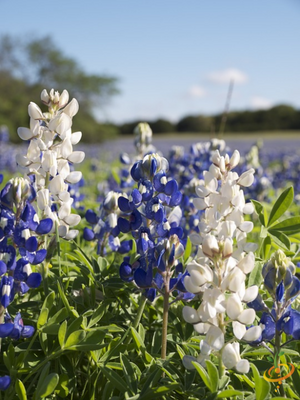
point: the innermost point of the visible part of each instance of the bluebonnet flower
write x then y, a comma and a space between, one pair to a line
284, 287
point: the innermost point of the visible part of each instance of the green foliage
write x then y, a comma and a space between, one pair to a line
28, 67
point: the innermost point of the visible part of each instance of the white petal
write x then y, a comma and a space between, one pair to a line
247, 316
246, 226
243, 366
239, 329
250, 294
25, 133
234, 306
248, 208
72, 219
246, 264
76, 137
74, 177
229, 356
189, 285
72, 233
72, 108
195, 239
190, 315
76, 157
252, 334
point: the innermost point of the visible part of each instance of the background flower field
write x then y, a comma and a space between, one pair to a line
108, 310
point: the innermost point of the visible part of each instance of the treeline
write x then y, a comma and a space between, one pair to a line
281, 117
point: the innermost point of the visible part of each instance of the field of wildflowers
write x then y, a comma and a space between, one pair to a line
158, 276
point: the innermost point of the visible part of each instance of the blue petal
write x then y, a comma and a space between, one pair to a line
123, 204
91, 217
171, 187
257, 304
39, 256
294, 289
150, 294
136, 196
6, 329
280, 292
269, 280
296, 324
88, 234
3, 267
125, 246
31, 244
44, 226
175, 199
27, 331
4, 382
123, 225
34, 280
125, 271
269, 331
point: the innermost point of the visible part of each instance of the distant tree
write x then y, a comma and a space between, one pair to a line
162, 126
198, 123
27, 67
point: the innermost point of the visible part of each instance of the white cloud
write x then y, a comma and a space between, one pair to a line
260, 103
227, 75
196, 91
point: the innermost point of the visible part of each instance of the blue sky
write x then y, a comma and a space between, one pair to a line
174, 57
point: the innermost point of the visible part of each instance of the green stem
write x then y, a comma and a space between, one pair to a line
41, 364
2, 312
221, 365
276, 358
165, 318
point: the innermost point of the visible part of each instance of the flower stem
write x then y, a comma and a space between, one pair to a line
276, 358
221, 365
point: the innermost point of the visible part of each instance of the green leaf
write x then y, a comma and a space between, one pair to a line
158, 392
137, 339
213, 375
20, 389
259, 209
281, 205
289, 226
58, 317
75, 338
228, 393
42, 318
203, 374
48, 302
115, 379
62, 389
129, 373
103, 263
62, 333
262, 387
63, 297
47, 386
296, 381
152, 380
255, 277
266, 247
280, 238
188, 250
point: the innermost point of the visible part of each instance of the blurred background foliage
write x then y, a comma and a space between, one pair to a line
28, 66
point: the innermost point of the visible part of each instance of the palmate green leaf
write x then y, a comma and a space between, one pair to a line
228, 393
47, 386
204, 375
98, 314
262, 387
280, 239
20, 389
281, 205
62, 333
262, 352
129, 373
260, 211
60, 316
296, 381
74, 339
43, 317
137, 339
152, 380
115, 379
266, 247
213, 375
188, 250
161, 390
49, 300
289, 226
62, 389
255, 277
